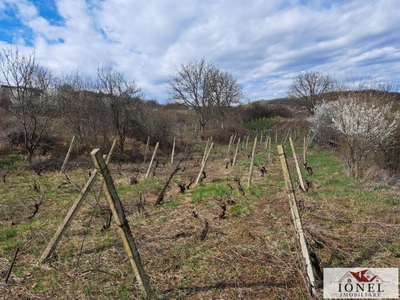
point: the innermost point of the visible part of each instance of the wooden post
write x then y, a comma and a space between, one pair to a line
122, 222
234, 139
252, 162
247, 140
297, 165
304, 151
230, 144
173, 151
151, 161
269, 149
203, 165
205, 151
294, 133
236, 152
310, 279
287, 135
67, 156
73, 210
147, 149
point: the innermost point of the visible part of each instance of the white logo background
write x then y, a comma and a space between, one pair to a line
361, 283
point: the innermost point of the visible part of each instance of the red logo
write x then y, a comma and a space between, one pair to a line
364, 276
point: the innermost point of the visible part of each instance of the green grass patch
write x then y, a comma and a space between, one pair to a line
381, 187
255, 191
203, 192
8, 233
10, 161
171, 204
240, 209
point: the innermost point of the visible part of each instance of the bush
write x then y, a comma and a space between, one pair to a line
259, 110
366, 126
391, 159
322, 124
157, 125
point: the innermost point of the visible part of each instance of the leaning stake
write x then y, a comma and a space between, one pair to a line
236, 152
203, 165
252, 162
310, 279
122, 222
151, 161
68, 155
73, 210
297, 165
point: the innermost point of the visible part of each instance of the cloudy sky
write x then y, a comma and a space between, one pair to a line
262, 43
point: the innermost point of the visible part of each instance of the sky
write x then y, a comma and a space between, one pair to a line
264, 44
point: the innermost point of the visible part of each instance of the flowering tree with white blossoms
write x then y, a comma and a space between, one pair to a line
364, 125
321, 122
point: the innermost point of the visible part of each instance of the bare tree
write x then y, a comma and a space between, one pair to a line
83, 110
226, 93
193, 86
31, 97
121, 96
310, 87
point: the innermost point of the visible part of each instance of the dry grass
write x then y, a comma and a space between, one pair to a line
251, 253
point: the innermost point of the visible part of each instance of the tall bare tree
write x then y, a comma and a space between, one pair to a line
226, 93
310, 87
192, 85
31, 96
122, 97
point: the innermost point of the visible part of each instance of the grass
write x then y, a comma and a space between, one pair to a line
11, 158
209, 192
353, 224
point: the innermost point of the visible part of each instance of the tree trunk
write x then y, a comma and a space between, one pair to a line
30, 155
223, 118
121, 143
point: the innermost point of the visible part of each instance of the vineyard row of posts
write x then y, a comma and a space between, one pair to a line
122, 223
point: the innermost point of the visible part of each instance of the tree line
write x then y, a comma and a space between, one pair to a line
94, 108
360, 116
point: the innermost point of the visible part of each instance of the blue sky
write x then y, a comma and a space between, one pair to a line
263, 44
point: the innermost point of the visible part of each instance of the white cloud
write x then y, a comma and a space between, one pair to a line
262, 43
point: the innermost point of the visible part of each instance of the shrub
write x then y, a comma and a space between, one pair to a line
259, 110
321, 124
364, 126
